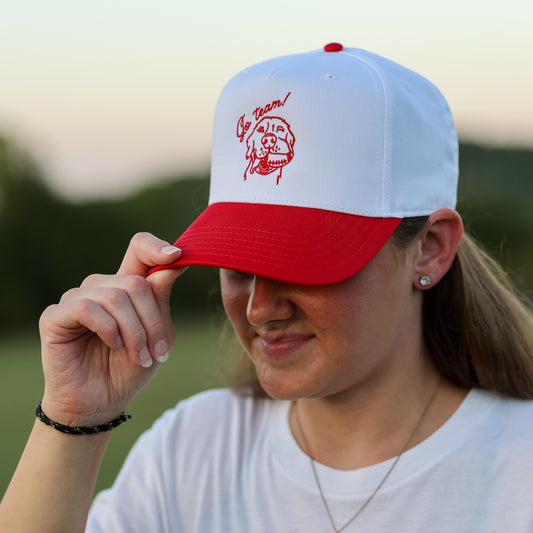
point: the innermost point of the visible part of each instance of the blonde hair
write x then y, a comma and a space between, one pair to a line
477, 330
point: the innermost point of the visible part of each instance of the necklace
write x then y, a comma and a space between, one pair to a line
381, 483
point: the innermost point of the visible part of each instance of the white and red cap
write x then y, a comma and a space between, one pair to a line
316, 158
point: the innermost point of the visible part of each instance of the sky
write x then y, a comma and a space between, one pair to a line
110, 94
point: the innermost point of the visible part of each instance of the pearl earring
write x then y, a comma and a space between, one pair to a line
425, 281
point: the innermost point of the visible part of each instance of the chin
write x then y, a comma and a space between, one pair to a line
286, 388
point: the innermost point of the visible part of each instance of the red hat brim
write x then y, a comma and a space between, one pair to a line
291, 244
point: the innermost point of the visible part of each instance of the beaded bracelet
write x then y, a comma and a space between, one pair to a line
80, 430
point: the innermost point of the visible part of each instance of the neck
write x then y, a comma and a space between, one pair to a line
372, 426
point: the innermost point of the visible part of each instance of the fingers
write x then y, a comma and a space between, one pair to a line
59, 323
143, 326
146, 251
127, 311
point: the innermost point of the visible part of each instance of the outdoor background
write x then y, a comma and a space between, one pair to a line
105, 130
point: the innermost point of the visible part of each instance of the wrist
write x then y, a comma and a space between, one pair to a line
78, 424
78, 411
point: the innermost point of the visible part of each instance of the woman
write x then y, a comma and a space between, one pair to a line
392, 370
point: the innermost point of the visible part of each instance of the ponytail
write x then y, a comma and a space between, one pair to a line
478, 331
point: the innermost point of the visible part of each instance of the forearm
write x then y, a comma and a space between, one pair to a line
52, 488
99, 344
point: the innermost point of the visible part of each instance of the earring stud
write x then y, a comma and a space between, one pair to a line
425, 281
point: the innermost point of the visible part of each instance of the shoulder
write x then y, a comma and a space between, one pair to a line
518, 412
205, 432
214, 405
209, 436
189, 455
518, 419
506, 422
218, 417
503, 449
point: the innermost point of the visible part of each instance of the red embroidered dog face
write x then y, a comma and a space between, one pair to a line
269, 147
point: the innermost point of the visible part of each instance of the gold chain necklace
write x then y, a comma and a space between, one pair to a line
381, 483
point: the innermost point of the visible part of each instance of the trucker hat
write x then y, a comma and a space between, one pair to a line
316, 158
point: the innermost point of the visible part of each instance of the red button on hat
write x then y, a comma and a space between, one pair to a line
333, 47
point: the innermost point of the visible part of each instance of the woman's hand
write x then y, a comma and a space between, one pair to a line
104, 341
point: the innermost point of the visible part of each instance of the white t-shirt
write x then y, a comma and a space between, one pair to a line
223, 463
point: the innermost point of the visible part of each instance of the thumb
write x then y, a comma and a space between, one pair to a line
145, 253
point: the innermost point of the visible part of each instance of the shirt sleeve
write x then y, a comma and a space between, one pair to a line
139, 499
168, 478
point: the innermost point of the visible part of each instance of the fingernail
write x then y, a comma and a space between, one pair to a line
145, 358
161, 347
119, 342
162, 358
169, 250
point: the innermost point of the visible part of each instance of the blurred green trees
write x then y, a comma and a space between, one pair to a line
496, 202
49, 245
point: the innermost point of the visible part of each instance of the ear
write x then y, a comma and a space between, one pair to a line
250, 149
438, 244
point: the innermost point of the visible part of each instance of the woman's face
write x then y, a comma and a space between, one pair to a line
320, 341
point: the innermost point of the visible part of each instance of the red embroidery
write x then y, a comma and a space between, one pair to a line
270, 147
260, 111
242, 127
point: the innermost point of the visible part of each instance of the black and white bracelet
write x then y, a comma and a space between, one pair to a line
80, 430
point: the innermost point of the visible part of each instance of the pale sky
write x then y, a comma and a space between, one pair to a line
109, 93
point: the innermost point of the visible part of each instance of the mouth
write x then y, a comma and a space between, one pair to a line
283, 346
277, 160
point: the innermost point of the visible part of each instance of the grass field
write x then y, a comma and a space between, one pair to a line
193, 366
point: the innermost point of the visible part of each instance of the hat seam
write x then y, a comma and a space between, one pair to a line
316, 262
222, 229
386, 154
325, 207
282, 249
272, 239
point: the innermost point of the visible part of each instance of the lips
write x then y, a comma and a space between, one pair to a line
282, 346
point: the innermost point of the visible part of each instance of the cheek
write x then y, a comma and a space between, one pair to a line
231, 302
234, 299
358, 312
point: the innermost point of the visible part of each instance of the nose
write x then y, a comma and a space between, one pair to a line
268, 302
269, 140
